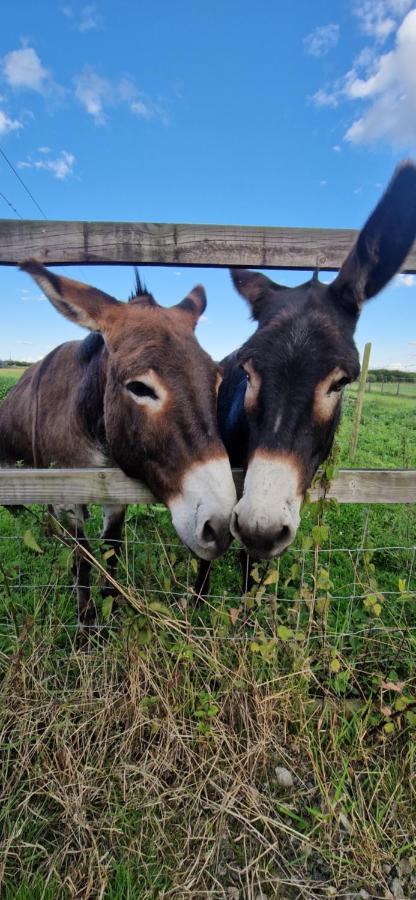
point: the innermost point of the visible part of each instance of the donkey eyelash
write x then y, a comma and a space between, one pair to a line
338, 385
141, 389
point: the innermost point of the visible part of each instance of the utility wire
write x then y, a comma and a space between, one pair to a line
22, 183
3, 196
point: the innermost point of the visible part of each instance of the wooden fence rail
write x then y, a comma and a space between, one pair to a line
55, 486
125, 243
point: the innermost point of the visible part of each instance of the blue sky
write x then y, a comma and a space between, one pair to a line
267, 113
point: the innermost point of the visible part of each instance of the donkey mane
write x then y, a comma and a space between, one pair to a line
89, 347
139, 290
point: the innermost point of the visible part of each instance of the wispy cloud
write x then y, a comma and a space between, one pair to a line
86, 19
7, 124
61, 167
94, 93
326, 97
385, 83
321, 40
378, 18
97, 95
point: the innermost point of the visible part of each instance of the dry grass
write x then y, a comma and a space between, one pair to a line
145, 767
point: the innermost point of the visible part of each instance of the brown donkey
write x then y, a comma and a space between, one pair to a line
280, 399
141, 394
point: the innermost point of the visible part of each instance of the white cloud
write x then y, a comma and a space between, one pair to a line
385, 83
326, 98
94, 93
390, 91
7, 124
404, 280
321, 40
23, 69
379, 18
27, 297
97, 94
88, 18
337, 148
61, 167
139, 108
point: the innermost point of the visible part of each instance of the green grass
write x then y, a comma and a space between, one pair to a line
387, 435
13, 372
406, 388
144, 765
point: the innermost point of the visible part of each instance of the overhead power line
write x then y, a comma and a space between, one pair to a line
22, 183
3, 196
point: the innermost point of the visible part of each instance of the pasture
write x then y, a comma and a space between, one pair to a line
393, 388
8, 378
255, 746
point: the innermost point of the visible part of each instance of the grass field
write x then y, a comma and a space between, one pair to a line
405, 388
256, 747
13, 372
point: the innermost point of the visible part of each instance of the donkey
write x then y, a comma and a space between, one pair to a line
139, 393
280, 398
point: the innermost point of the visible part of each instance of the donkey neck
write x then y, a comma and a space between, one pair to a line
232, 418
93, 358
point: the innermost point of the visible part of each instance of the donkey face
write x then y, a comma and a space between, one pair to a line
160, 392
297, 364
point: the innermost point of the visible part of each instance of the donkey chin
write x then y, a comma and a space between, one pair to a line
267, 517
201, 512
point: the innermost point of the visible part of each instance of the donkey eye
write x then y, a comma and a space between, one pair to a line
247, 374
141, 389
337, 386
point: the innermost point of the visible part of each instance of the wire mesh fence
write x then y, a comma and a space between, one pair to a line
324, 591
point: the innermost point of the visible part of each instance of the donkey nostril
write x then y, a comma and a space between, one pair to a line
284, 534
208, 533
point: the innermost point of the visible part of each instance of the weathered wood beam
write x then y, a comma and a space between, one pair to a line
125, 243
21, 486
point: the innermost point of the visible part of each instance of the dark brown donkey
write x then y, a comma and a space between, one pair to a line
280, 398
141, 394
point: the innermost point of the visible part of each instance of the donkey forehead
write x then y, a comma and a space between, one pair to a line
158, 342
300, 336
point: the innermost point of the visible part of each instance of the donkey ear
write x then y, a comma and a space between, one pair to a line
383, 243
253, 286
78, 302
194, 304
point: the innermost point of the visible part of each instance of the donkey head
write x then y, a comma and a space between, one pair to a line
160, 395
297, 364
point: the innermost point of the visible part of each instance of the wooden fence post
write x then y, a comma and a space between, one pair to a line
359, 401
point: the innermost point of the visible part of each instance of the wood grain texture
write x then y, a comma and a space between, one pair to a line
21, 486
122, 243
